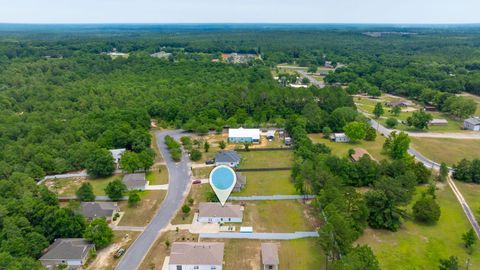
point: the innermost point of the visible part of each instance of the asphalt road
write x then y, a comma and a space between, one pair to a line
314, 81
179, 179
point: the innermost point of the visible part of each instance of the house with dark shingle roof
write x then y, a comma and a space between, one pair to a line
135, 181
228, 158
72, 252
270, 256
196, 255
472, 123
92, 210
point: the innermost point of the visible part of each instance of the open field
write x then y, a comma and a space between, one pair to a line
105, 259
198, 194
471, 193
266, 159
68, 186
158, 175
144, 211
341, 149
202, 172
447, 150
417, 246
267, 183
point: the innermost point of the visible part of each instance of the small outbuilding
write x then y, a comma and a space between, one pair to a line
270, 256
70, 252
217, 213
135, 181
472, 123
244, 135
339, 137
270, 134
228, 158
92, 210
438, 122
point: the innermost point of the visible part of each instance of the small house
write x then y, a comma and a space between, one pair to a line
217, 213
228, 158
359, 153
117, 155
438, 122
339, 137
270, 135
472, 123
240, 183
288, 141
135, 181
244, 135
70, 252
92, 210
270, 256
196, 255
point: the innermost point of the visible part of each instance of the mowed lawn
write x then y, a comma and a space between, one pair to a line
447, 150
267, 183
341, 149
471, 193
157, 175
266, 159
417, 246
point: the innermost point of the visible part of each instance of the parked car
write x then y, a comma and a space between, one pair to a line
119, 253
210, 162
196, 182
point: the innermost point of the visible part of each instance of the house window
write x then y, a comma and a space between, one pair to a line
196, 267
179, 267
213, 268
229, 219
270, 267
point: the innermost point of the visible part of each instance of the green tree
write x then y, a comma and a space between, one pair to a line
371, 134
326, 132
222, 144
383, 212
146, 159
391, 122
99, 233
133, 198
355, 130
443, 174
449, 264
130, 162
185, 209
426, 210
360, 257
397, 144
100, 163
312, 69
469, 238
419, 119
85, 193
115, 190
378, 110
396, 110
195, 155
206, 146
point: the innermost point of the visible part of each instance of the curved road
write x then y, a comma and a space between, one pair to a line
179, 178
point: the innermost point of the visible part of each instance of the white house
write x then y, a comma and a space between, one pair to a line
339, 137
472, 123
244, 135
117, 155
216, 213
72, 252
196, 255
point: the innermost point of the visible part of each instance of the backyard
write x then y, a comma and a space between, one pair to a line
267, 183
447, 150
266, 159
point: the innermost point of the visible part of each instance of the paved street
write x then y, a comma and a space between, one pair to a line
260, 236
314, 81
179, 179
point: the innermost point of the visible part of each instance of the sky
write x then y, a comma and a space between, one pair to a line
240, 11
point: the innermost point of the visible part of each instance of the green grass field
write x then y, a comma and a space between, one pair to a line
446, 150
471, 193
158, 175
266, 159
267, 183
417, 246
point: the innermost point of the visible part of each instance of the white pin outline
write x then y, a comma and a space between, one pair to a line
223, 194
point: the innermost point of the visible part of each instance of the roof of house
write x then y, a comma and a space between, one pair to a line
97, 209
227, 156
439, 121
338, 135
270, 254
117, 153
473, 120
197, 253
398, 103
253, 133
68, 249
270, 133
360, 152
134, 180
241, 179
217, 210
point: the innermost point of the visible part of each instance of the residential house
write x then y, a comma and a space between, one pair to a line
196, 255
270, 134
288, 141
71, 252
92, 210
339, 137
240, 183
472, 123
358, 153
244, 135
117, 155
397, 103
217, 213
438, 122
161, 55
135, 181
228, 158
328, 64
270, 256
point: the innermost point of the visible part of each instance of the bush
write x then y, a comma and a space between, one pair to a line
195, 155
391, 122
85, 193
426, 210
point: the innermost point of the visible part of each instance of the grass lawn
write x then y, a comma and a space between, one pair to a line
202, 172
471, 193
266, 159
153, 145
267, 183
447, 150
417, 246
68, 186
341, 149
279, 216
198, 194
158, 175
144, 211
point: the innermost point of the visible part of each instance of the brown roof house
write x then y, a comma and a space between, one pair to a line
217, 213
72, 252
196, 255
270, 256
135, 181
358, 153
92, 210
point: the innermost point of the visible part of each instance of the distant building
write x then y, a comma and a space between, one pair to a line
438, 122
339, 137
135, 181
217, 213
472, 123
244, 135
328, 64
241, 182
270, 256
92, 210
239, 58
270, 134
117, 155
288, 141
196, 255
397, 103
228, 158
358, 153
161, 55
72, 252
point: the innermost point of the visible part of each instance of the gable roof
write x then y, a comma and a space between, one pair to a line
117, 153
253, 133
97, 209
217, 210
227, 156
68, 249
473, 121
134, 180
197, 253
360, 152
270, 254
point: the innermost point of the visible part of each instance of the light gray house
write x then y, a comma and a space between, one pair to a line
72, 252
270, 256
92, 210
196, 255
117, 155
135, 181
472, 123
339, 137
228, 158
216, 213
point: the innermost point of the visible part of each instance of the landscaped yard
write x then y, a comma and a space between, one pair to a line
144, 211
68, 186
266, 159
341, 149
158, 175
447, 150
417, 246
267, 183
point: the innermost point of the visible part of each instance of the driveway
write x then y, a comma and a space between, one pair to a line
179, 178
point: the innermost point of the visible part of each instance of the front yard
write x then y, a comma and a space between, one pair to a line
144, 211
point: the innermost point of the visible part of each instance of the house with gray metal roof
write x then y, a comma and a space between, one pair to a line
71, 252
196, 255
92, 210
228, 158
472, 123
117, 155
135, 181
270, 256
212, 212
